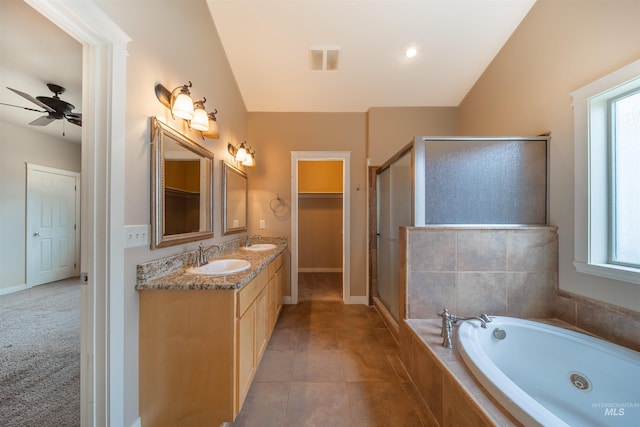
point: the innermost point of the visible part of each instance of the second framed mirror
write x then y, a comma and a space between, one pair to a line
235, 185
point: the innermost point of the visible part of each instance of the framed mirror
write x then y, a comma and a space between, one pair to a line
181, 188
234, 199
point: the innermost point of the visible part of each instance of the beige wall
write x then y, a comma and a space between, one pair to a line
20, 146
559, 47
320, 234
274, 136
323, 176
391, 128
157, 55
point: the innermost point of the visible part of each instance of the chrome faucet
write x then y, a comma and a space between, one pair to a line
448, 320
249, 238
201, 255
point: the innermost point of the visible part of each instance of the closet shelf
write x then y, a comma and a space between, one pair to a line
319, 195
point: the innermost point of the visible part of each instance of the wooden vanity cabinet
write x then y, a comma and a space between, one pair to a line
277, 281
200, 349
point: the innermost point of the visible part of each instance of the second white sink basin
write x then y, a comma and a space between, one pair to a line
221, 267
260, 247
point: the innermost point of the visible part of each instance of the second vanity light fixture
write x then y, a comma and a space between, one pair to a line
243, 154
182, 106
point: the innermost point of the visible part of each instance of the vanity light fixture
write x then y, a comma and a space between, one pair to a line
182, 106
242, 154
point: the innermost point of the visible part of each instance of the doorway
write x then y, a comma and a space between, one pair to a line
102, 389
53, 217
310, 201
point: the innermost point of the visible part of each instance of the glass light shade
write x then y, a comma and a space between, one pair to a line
249, 160
182, 107
241, 154
200, 120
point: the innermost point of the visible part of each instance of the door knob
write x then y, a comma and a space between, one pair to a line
36, 234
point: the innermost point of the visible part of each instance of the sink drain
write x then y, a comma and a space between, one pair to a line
580, 381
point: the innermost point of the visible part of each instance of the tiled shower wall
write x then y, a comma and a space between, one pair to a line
508, 271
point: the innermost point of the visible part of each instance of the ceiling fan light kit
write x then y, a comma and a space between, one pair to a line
54, 107
181, 105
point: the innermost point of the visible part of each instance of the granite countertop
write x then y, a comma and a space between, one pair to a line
176, 277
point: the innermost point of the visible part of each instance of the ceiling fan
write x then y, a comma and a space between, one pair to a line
54, 107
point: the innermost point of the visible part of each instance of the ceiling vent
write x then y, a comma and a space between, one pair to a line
324, 58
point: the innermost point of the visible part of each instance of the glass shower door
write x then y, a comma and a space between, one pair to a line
394, 210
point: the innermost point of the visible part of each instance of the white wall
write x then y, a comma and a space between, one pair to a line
19, 146
559, 47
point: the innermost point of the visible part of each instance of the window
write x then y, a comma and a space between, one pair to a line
624, 179
607, 152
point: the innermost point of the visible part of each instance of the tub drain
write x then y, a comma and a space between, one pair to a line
580, 381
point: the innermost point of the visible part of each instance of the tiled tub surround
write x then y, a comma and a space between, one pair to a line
169, 273
452, 394
509, 271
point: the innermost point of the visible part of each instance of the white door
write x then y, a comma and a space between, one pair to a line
52, 234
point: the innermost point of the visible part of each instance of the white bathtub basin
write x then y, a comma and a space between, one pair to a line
260, 247
220, 267
550, 376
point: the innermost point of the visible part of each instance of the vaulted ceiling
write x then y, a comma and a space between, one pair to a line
268, 43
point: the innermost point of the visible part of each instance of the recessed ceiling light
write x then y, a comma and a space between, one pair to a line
411, 50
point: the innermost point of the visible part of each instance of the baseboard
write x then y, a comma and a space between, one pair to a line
320, 270
13, 289
287, 300
359, 300
138, 423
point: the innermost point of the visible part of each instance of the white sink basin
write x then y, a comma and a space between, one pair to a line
220, 267
260, 247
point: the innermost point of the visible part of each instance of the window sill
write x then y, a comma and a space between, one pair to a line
610, 271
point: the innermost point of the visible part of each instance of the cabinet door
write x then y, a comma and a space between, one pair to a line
280, 284
272, 304
262, 325
246, 330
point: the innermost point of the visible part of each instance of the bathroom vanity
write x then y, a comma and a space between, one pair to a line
202, 339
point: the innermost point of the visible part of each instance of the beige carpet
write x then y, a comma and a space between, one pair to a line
40, 356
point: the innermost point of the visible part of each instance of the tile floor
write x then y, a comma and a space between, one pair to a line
330, 364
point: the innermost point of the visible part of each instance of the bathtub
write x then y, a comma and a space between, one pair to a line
550, 376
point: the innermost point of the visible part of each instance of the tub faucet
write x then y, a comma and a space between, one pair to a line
448, 320
447, 327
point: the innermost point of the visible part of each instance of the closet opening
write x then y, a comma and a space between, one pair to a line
320, 233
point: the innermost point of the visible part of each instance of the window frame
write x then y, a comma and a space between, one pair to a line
592, 185
612, 176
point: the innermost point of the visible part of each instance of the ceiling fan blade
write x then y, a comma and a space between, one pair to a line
24, 108
32, 99
76, 119
42, 121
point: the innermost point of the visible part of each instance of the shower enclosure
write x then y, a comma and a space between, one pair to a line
455, 181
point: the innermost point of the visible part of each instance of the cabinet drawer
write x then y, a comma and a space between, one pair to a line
250, 291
